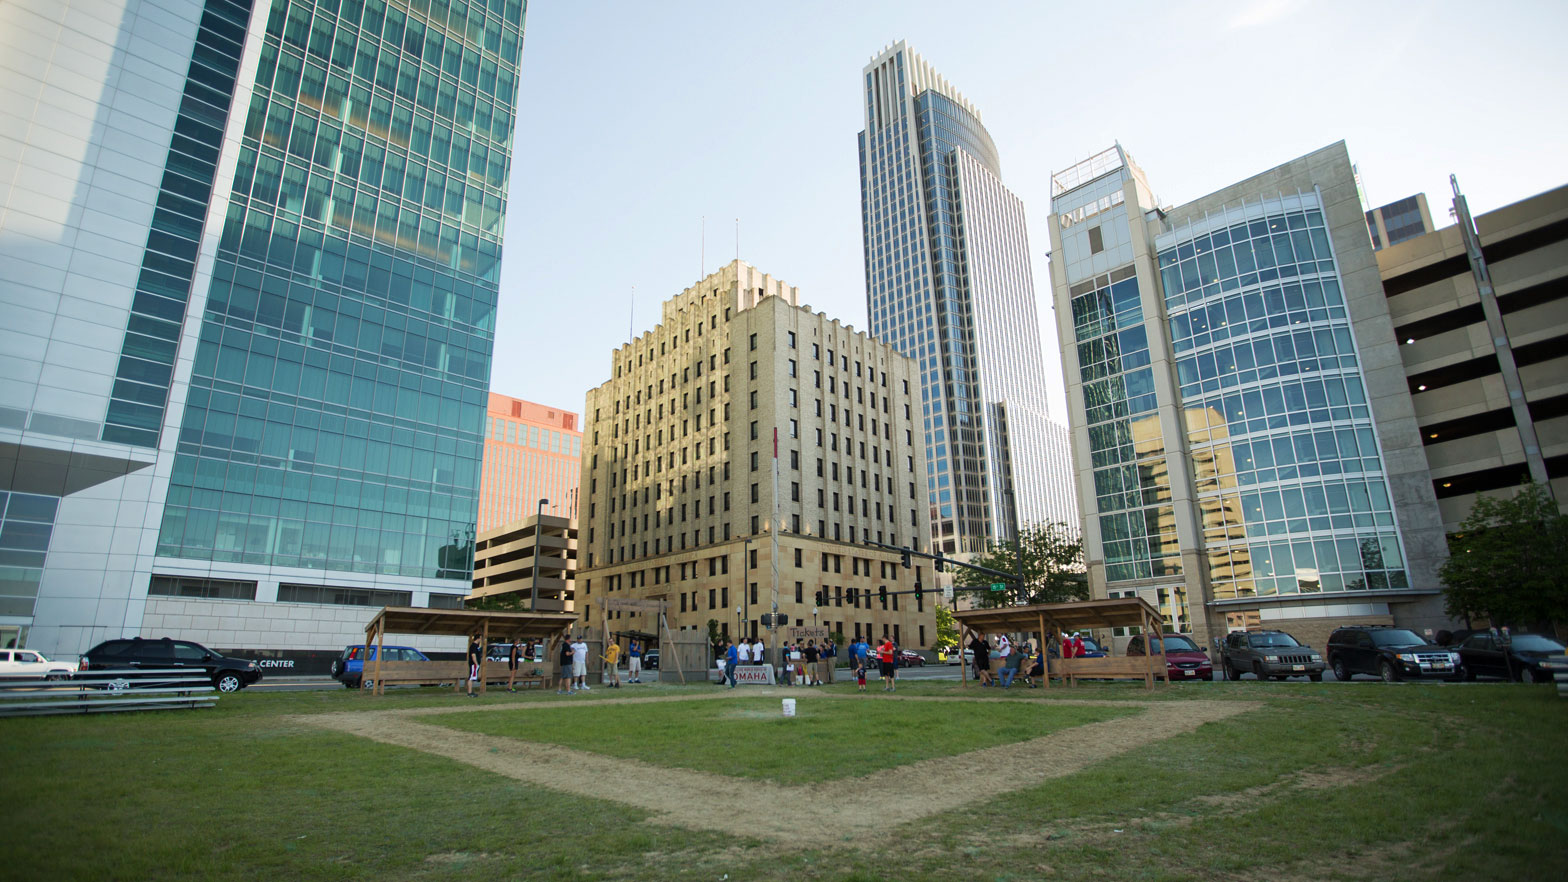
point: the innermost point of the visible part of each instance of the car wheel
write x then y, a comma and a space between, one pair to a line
337, 668
1388, 672
1232, 671
56, 676
1209, 676
350, 684
1467, 673
368, 684
1340, 671
118, 684
228, 682
1316, 678
1528, 675
1257, 671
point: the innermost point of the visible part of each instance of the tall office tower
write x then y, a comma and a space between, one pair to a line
746, 435
251, 253
1247, 449
1399, 221
949, 283
1487, 420
532, 452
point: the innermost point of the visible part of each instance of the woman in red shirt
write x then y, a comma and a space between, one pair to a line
886, 654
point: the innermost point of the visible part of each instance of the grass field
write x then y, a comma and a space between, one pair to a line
1331, 781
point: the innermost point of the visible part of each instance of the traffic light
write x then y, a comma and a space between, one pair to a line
938, 564
918, 591
821, 597
882, 595
905, 555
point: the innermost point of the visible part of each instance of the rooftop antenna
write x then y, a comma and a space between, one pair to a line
737, 238
631, 312
704, 252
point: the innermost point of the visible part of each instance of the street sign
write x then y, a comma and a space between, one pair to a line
947, 594
998, 586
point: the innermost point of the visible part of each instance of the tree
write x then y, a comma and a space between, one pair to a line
1052, 566
713, 635
946, 628
1509, 561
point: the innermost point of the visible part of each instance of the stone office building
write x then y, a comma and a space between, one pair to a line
746, 435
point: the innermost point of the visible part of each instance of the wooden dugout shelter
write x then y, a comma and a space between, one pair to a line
516, 626
1049, 618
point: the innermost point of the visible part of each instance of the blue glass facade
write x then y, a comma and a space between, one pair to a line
336, 409
922, 282
1286, 459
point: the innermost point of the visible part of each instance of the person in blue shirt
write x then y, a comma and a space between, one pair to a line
634, 662
731, 658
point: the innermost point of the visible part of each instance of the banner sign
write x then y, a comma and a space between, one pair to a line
653, 606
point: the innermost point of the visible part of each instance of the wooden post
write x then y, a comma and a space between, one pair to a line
1165, 668
381, 639
1045, 658
484, 650
963, 666
664, 626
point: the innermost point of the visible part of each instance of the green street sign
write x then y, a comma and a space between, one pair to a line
998, 586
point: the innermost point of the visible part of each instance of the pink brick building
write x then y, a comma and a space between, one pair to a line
532, 452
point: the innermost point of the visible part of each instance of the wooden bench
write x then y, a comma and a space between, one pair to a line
455, 673
1147, 668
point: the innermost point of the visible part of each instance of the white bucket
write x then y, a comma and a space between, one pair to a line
789, 707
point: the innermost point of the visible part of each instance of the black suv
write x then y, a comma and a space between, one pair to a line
133, 654
1391, 653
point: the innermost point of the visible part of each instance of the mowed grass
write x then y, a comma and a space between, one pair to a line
827, 739
1319, 782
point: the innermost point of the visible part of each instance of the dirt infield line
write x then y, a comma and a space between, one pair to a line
812, 814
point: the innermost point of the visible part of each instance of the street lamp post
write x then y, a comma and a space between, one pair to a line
533, 595
745, 585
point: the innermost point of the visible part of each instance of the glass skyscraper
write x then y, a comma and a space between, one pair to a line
295, 211
1236, 471
949, 283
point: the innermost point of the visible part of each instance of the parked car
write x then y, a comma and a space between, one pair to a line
130, 656
1531, 658
28, 664
908, 658
1388, 652
1091, 649
1269, 654
349, 668
502, 652
1184, 659
650, 660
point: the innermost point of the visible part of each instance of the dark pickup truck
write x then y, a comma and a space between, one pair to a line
1269, 654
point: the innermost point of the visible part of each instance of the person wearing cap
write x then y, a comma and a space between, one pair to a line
1078, 649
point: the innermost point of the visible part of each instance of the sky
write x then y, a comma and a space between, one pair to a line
647, 131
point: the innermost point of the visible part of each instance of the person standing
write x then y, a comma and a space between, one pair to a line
743, 652
475, 659
612, 658
860, 673
634, 662
786, 666
887, 653
813, 672
1078, 647
513, 656
564, 667
731, 657
1004, 659
830, 653
758, 657
1067, 645
861, 650
580, 663
980, 648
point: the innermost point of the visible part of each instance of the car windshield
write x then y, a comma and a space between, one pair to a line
1090, 645
1261, 640
1396, 637
1174, 643
1536, 643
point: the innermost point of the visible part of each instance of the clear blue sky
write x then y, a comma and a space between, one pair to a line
640, 119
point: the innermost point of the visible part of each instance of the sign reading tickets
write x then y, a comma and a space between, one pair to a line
806, 632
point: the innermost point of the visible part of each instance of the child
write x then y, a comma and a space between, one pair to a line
860, 674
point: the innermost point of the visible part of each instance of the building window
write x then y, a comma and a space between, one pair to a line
753, 342
792, 341
335, 596
1096, 241
209, 589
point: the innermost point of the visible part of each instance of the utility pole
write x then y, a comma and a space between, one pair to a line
1505, 353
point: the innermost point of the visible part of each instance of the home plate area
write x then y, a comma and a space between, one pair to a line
840, 807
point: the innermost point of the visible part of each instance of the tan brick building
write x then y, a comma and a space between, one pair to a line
678, 497
506, 557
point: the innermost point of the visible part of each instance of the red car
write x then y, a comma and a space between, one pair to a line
908, 658
1184, 659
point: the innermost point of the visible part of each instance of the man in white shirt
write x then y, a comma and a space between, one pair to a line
757, 656
743, 650
580, 663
